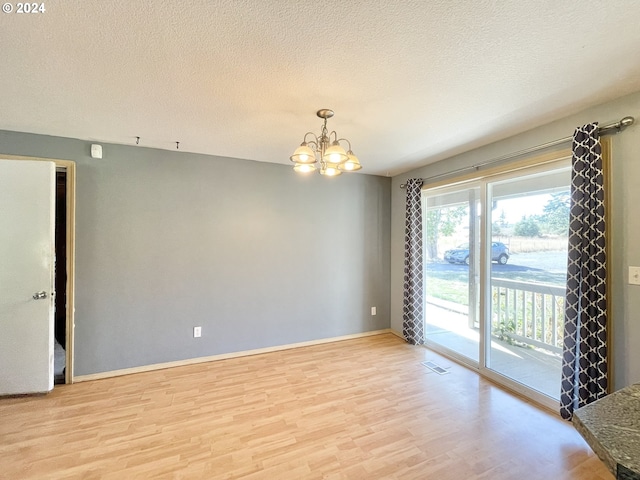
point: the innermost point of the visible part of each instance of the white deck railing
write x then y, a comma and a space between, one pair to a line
529, 313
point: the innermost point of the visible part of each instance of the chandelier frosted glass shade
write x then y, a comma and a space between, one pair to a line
352, 164
329, 170
335, 154
304, 155
304, 167
324, 153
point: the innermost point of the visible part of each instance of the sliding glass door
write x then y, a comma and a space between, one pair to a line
451, 269
530, 216
495, 274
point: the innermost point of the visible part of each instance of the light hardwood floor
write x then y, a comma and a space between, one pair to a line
360, 409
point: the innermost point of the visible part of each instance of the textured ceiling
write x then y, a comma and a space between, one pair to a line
411, 82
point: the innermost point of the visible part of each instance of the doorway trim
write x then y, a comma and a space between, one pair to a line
70, 168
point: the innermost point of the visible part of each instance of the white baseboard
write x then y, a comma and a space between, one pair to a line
397, 334
224, 356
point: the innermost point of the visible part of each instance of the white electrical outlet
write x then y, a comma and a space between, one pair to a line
373, 310
197, 332
634, 275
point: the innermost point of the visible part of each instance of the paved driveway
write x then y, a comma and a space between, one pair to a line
546, 267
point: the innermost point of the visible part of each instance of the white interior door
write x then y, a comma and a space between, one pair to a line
27, 223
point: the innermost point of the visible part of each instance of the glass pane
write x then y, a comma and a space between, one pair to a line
451, 279
529, 227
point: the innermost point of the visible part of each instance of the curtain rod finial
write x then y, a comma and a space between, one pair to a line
627, 122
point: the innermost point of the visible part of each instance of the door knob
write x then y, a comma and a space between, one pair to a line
40, 295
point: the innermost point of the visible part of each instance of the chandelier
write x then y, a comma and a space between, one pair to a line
331, 157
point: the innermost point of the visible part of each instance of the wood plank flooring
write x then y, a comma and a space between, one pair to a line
356, 409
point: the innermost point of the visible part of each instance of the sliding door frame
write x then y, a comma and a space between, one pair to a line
482, 179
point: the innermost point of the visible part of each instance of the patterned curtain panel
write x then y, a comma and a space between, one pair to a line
584, 362
413, 309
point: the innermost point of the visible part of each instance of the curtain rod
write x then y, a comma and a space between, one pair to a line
605, 130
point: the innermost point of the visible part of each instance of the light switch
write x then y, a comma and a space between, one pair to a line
634, 275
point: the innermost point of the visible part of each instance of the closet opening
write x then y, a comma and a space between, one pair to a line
60, 278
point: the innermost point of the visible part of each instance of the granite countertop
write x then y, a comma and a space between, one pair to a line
611, 427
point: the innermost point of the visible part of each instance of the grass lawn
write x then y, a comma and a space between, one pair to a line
451, 282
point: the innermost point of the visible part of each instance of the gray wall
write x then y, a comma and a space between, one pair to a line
252, 252
625, 241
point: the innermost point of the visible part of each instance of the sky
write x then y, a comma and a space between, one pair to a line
518, 207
